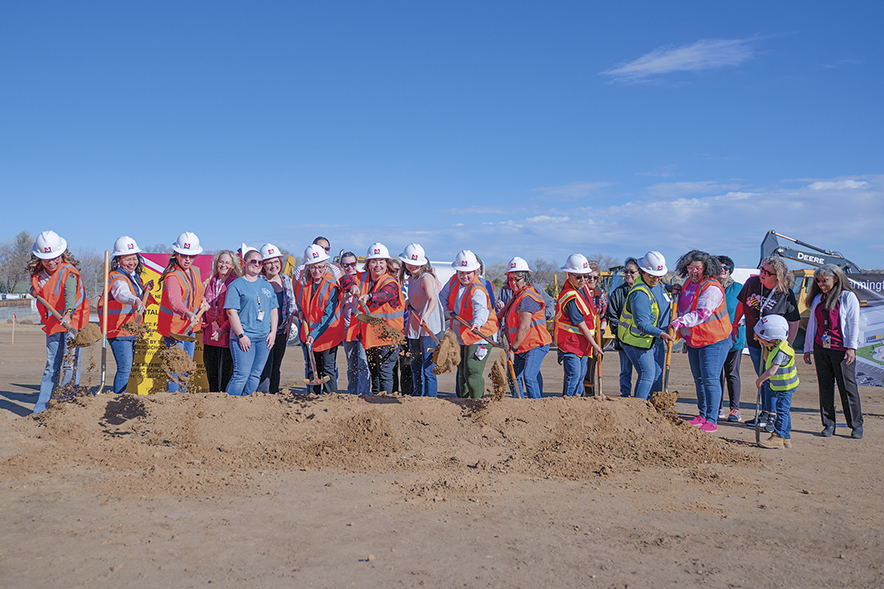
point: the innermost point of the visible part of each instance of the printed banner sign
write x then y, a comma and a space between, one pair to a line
869, 289
147, 374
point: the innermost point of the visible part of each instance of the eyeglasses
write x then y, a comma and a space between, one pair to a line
630, 271
822, 279
350, 265
580, 277
254, 262
766, 272
592, 278
318, 267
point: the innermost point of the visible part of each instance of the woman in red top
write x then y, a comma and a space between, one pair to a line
56, 278
216, 325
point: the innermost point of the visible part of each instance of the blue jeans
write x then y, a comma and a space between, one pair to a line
358, 378
188, 347
647, 369
124, 353
706, 365
422, 376
768, 399
625, 374
527, 365
247, 366
54, 375
575, 371
783, 424
381, 362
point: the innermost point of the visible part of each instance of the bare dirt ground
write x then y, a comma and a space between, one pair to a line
296, 491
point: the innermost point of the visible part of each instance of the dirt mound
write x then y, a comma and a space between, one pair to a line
498, 379
200, 444
664, 402
390, 333
87, 336
447, 354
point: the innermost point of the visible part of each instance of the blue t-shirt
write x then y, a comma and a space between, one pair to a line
249, 299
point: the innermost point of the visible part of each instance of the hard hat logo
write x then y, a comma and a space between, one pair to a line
377, 251
315, 254
270, 251
187, 246
413, 256
47, 249
131, 246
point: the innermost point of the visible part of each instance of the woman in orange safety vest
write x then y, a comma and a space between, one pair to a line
705, 325
56, 278
465, 297
526, 330
320, 302
182, 298
126, 298
575, 323
380, 295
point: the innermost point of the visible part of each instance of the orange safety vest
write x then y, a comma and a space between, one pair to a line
537, 335
313, 305
169, 322
569, 338
718, 326
370, 334
117, 313
53, 292
465, 311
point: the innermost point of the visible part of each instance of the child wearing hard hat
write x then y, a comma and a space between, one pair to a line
772, 332
126, 298
55, 278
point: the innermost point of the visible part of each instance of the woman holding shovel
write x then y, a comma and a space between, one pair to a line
467, 303
575, 323
378, 293
526, 330
424, 319
642, 321
252, 310
182, 304
319, 297
62, 304
126, 298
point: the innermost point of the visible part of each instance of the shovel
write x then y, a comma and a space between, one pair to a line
470, 327
189, 337
668, 363
316, 381
369, 318
104, 324
64, 324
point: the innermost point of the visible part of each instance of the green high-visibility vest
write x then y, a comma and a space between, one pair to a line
787, 376
628, 332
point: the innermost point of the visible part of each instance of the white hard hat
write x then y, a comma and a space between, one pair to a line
517, 264
465, 261
270, 251
314, 254
49, 245
653, 263
125, 246
772, 327
377, 251
577, 264
188, 244
244, 249
414, 255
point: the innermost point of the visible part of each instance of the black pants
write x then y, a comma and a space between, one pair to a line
831, 368
273, 366
219, 367
402, 381
326, 365
730, 376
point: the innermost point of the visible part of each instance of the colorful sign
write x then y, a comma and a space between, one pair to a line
147, 374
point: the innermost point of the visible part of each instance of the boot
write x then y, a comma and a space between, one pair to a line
774, 442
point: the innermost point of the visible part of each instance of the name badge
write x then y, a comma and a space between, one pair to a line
261, 315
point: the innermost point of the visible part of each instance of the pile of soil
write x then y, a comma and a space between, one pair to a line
201, 444
390, 333
664, 402
447, 354
371, 319
87, 336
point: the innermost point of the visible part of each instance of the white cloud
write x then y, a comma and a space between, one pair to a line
702, 55
839, 185
572, 191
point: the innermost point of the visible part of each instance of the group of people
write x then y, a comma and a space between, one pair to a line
247, 308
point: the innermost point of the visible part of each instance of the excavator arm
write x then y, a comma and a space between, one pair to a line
770, 246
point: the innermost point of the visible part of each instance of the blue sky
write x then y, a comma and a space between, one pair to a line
509, 128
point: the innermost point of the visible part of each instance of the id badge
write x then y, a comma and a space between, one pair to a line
481, 352
261, 315
827, 341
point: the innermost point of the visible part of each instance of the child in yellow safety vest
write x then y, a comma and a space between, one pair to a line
772, 332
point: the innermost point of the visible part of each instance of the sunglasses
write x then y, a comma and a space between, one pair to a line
766, 272
254, 262
350, 265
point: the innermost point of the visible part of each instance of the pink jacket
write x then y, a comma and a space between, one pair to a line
216, 292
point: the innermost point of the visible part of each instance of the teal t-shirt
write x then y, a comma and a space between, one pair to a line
250, 299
